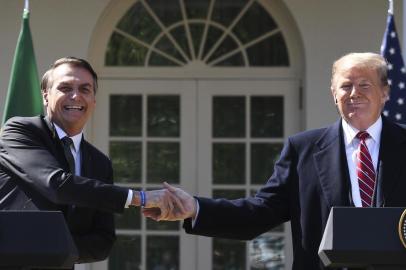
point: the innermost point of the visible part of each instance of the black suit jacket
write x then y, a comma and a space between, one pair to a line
310, 177
34, 174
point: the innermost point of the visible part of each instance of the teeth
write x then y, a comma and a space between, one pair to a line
74, 107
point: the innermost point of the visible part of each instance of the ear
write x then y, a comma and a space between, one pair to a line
385, 93
333, 93
45, 97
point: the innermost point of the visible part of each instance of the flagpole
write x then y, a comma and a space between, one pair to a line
390, 10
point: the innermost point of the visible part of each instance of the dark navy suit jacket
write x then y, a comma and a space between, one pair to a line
310, 177
34, 174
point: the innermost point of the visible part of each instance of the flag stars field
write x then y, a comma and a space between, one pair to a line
395, 106
398, 116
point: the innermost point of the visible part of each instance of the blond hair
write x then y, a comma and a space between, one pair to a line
367, 60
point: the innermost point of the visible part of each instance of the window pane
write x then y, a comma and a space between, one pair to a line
129, 219
168, 11
226, 46
163, 252
213, 34
126, 159
125, 115
271, 51
255, 23
126, 253
228, 117
196, 30
267, 117
234, 60
228, 194
228, 163
165, 45
179, 34
196, 9
163, 116
226, 11
163, 162
139, 23
124, 52
263, 158
160, 60
267, 252
228, 254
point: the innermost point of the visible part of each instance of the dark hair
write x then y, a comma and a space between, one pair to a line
47, 80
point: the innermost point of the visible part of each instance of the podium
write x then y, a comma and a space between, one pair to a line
35, 239
363, 238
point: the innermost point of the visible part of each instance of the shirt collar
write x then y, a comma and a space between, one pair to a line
76, 139
350, 132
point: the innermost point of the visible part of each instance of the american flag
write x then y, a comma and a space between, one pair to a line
395, 107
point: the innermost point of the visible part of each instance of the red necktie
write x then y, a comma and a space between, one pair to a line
365, 171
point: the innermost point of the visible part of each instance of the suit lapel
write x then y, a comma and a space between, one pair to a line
51, 127
390, 159
57, 149
331, 165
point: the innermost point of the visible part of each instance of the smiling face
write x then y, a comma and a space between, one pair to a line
358, 93
70, 97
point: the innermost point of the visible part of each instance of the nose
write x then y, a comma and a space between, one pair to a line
74, 94
354, 91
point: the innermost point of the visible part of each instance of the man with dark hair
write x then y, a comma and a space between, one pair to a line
357, 161
46, 164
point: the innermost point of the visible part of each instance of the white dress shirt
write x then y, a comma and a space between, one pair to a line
76, 152
351, 147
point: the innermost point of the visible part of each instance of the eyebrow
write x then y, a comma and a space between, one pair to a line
86, 84
68, 84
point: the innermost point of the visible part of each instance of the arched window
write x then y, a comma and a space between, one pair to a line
227, 33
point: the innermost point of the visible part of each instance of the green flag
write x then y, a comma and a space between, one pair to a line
24, 94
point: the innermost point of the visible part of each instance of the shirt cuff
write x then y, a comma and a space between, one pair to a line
194, 220
129, 198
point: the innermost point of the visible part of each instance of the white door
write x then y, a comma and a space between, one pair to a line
242, 126
216, 138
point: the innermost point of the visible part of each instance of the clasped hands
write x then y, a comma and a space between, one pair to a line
169, 203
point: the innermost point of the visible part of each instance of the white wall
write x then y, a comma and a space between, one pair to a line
329, 29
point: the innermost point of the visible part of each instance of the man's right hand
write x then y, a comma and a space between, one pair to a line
181, 206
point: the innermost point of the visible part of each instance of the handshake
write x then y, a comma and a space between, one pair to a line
168, 204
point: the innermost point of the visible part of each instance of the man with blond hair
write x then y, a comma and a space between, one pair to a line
357, 161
